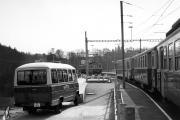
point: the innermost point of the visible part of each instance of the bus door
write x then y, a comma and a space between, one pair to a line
72, 85
67, 86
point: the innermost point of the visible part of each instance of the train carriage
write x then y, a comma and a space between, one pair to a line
169, 65
142, 69
158, 69
127, 68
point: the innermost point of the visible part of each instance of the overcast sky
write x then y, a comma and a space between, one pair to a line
36, 26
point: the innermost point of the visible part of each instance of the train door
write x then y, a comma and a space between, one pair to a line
154, 62
149, 69
160, 66
152, 68
132, 69
163, 69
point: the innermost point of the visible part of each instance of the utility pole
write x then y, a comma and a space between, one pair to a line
122, 38
87, 57
140, 45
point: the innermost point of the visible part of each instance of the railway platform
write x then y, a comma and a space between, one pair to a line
144, 107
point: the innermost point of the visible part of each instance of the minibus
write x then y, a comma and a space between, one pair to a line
45, 85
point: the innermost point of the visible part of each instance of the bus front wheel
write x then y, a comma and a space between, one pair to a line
77, 99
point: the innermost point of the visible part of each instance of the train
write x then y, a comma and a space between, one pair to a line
157, 69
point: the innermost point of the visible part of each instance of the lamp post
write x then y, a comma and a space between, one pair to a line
92, 49
131, 31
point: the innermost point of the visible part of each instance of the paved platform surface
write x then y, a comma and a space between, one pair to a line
145, 109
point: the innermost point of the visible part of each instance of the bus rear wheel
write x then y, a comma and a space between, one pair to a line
57, 109
31, 110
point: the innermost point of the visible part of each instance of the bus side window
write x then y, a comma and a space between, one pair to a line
60, 75
74, 75
20, 77
65, 75
54, 76
70, 75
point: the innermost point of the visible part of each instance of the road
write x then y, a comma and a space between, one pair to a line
95, 106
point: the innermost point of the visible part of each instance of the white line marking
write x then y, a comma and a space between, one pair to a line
115, 109
153, 102
122, 99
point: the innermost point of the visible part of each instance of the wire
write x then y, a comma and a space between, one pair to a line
147, 29
133, 5
170, 13
154, 13
163, 12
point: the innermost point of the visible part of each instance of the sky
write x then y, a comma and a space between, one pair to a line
36, 26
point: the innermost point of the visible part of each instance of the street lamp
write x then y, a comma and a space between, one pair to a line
92, 48
131, 31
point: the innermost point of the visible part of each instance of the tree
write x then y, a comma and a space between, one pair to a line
59, 53
51, 56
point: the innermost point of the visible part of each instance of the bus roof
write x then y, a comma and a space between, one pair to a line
45, 65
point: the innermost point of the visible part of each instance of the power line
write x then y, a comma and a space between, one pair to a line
170, 13
133, 5
163, 12
154, 13
168, 3
134, 40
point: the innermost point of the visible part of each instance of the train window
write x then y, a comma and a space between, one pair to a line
170, 54
177, 55
161, 56
177, 48
128, 65
139, 64
141, 61
145, 60
177, 63
135, 62
152, 59
165, 58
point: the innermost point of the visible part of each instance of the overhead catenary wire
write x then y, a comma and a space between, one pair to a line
148, 28
163, 12
154, 13
170, 13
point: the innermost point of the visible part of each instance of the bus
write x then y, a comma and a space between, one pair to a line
45, 85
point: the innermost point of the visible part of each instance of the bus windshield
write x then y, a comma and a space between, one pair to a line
31, 77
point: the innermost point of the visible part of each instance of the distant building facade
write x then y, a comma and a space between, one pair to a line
94, 67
